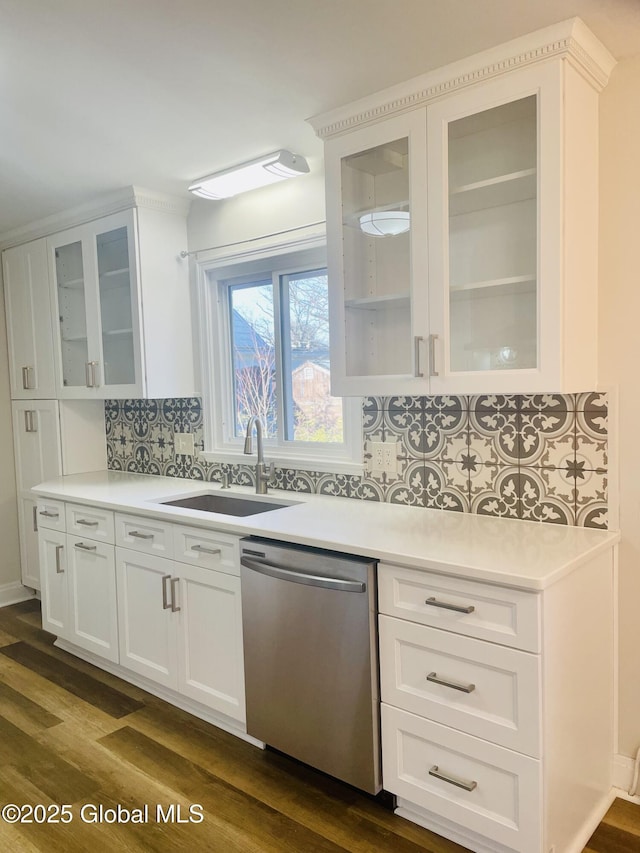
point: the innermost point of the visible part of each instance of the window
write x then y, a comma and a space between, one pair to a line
266, 353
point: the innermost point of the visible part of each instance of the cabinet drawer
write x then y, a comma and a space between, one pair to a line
502, 795
50, 514
200, 547
144, 534
90, 522
510, 617
479, 688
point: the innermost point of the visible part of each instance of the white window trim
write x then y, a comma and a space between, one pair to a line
217, 265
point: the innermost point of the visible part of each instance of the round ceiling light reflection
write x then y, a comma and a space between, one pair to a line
385, 223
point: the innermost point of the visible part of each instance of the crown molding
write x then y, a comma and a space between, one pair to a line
115, 202
571, 40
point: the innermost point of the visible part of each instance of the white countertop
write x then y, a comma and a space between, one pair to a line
522, 554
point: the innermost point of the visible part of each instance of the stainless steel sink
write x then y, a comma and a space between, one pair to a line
226, 504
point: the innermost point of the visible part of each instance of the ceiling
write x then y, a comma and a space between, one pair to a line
100, 95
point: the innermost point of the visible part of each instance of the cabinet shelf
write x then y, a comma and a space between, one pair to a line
375, 303
72, 284
113, 333
493, 192
69, 339
503, 286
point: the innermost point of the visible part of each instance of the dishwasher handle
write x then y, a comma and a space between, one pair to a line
279, 572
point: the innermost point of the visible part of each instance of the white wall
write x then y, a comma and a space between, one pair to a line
10, 550
620, 354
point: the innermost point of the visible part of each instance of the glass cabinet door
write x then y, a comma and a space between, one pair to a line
381, 175
485, 227
114, 286
72, 310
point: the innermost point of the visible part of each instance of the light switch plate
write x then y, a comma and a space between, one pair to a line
183, 443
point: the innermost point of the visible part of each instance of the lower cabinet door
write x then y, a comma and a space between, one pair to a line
28, 527
211, 665
489, 790
148, 623
93, 621
53, 574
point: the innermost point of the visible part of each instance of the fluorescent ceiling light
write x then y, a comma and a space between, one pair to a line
385, 223
248, 176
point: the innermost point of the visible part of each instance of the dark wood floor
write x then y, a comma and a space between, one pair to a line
70, 733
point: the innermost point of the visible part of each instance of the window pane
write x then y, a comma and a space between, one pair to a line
311, 413
253, 355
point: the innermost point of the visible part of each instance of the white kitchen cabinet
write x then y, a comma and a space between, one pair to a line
29, 331
122, 317
211, 663
92, 616
180, 625
38, 457
486, 710
147, 627
55, 587
78, 586
376, 179
493, 161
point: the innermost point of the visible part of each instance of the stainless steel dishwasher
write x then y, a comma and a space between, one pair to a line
310, 650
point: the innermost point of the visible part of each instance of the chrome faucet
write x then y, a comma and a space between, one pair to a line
263, 476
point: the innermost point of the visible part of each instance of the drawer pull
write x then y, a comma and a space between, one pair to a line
59, 569
86, 523
137, 535
433, 602
48, 514
202, 550
452, 780
455, 685
83, 547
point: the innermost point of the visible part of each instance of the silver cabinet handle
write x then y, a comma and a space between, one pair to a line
94, 381
432, 355
135, 534
47, 514
202, 550
29, 423
35, 519
165, 598
459, 608
417, 340
454, 685
26, 384
174, 583
84, 547
85, 523
452, 780
59, 569
87, 374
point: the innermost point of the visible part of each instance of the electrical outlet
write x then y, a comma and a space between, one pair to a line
384, 456
183, 443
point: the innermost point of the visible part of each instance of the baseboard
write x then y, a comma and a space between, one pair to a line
13, 593
173, 698
623, 768
591, 822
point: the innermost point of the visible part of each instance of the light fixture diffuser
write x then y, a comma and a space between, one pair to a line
385, 223
249, 176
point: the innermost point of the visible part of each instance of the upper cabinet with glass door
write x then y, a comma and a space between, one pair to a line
376, 191
505, 297
122, 312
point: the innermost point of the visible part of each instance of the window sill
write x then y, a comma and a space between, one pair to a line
299, 463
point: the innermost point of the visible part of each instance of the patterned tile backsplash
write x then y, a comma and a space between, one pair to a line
541, 457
